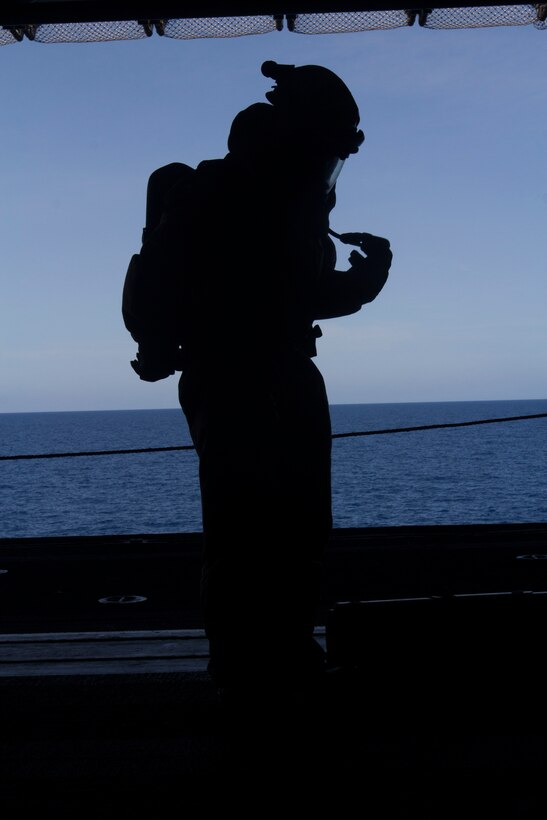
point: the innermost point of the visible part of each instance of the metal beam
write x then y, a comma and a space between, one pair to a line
24, 12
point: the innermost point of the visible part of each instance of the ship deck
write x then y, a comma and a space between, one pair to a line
107, 705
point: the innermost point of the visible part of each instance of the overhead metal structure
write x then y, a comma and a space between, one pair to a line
71, 21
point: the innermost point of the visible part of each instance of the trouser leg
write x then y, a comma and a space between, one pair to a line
265, 486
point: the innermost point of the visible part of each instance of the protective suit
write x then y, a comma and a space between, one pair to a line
256, 271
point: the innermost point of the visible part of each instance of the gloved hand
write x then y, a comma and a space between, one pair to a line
373, 245
373, 269
154, 361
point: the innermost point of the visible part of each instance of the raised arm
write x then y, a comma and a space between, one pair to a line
344, 292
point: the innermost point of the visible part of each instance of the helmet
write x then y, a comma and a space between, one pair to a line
305, 131
314, 98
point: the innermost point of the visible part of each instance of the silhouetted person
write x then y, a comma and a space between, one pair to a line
244, 266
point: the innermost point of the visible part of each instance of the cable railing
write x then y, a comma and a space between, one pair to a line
417, 428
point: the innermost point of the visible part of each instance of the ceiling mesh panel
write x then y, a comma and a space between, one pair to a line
192, 28
317, 23
337, 23
89, 32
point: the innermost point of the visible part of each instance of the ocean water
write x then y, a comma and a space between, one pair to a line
494, 473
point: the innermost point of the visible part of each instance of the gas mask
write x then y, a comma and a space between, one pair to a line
305, 132
318, 118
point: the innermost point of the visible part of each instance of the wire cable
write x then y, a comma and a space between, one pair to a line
334, 436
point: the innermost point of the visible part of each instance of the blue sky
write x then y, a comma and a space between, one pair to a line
453, 172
